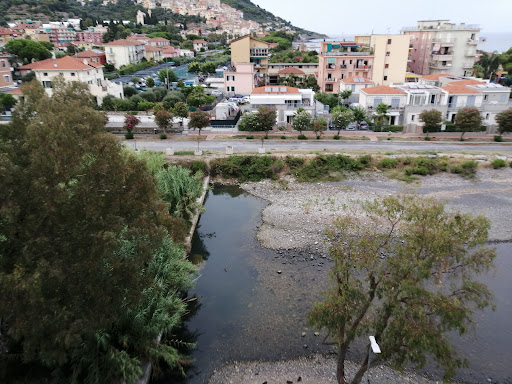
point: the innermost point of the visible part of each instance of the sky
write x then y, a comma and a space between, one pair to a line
338, 17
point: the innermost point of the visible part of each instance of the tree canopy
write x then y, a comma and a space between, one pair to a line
342, 118
468, 119
432, 120
89, 276
404, 271
28, 50
504, 120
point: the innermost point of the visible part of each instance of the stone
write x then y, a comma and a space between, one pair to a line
317, 333
169, 151
279, 272
198, 153
303, 334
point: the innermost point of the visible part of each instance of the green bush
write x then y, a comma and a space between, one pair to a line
366, 160
392, 128
328, 168
466, 169
198, 167
336, 137
406, 161
427, 138
498, 138
294, 162
498, 163
249, 137
302, 137
246, 168
163, 136
283, 137
388, 163
128, 135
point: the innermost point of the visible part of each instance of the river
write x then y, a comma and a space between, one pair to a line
249, 311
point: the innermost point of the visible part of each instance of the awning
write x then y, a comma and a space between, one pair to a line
437, 47
393, 114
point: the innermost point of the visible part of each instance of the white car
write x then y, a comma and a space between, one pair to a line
351, 127
216, 92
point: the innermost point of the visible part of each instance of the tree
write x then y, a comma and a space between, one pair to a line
359, 115
267, 119
328, 99
468, 119
342, 118
431, 120
7, 101
404, 272
382, 111
208, 68
167, 76
187, 44
150, 82
199, 120
145, 105
27, 50
249, 122
180, 110
302, 121
319, 126
345, 95
129, 91
488, 64
88, 275
163, 119
194, 67
130, 122
504, 120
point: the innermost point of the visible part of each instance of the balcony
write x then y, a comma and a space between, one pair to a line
468, 65
475, 41
330, 79
345, 53
331, 66
258, 52
470, 53
446, 42
363, 68
442, 57
438, 65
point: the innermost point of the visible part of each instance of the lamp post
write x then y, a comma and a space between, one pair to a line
376, 349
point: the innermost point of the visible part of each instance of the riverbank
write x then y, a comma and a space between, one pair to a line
293, 224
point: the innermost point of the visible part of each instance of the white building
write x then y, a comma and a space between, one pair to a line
124, 52
73, 69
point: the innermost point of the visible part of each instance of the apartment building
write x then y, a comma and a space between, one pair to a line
339, 60
5, 71
439, 46
241, 80
93, 38
247, 49
74, 69
277, 70
154, 53
59, 35
96, 56
371, 97
286, 101
124, 52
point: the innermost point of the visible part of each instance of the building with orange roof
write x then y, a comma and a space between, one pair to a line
338, 60
124, 52
76, 69
247, 49
241, 80
158, 42
154, 53
286, 100
355, 84
200, 44
303, 70
439, 46
371, 97
96, 56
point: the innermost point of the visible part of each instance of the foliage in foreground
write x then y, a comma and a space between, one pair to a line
89, 277
405, 273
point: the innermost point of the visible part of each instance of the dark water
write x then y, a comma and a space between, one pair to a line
247, 311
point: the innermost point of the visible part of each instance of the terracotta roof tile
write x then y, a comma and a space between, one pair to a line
66, 63
350, 80
200, 42
459, 89
382, 90
467, 82
154, 39
150, 48
35, 64
125, 42
436, 76
289, 70
90, 53
275, 89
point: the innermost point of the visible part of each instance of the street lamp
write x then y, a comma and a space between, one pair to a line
376, 349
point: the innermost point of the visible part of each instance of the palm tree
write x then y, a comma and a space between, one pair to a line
382, 111
489, 62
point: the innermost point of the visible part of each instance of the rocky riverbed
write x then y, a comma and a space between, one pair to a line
293, 225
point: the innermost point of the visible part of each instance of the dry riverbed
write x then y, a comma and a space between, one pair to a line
293, 223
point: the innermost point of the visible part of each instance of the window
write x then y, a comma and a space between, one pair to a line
432, 99
485, 97
389, 41
231, 78
395, 102
412, 117
503, 98
353, 88
486, 116
7, 79
3, 64
388, 53
61, 73
385, 78
377, 101
471, 101
350, 62
45, 74
47, 84
386, 65
72, 73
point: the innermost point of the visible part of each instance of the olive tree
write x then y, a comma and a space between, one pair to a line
404, 271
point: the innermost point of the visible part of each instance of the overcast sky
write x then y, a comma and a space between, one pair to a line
338, 17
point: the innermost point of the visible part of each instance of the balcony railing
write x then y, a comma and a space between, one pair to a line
442, 57
345, 53
475, 41
469, 53
438, 65
445, 42
363, 68
330, 79
258, 52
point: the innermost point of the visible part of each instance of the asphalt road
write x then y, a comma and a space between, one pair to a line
318, 146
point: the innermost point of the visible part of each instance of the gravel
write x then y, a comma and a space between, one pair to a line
296, 218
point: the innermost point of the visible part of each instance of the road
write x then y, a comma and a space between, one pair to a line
181, 71
319, 146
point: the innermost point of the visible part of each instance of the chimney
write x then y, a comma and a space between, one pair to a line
55, 65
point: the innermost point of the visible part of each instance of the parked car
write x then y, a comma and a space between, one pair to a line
364, 126
351, 127
236, 100
246, 100
216, 92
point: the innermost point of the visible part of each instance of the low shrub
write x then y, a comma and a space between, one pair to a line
336, 137
163, 136
283, 137
498, 138
498, 163
294, 162
466, 169
406, 161
427, 138
247, 168
392, 128
388, 163
249, 137
128, 135
366, 160
302, 137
